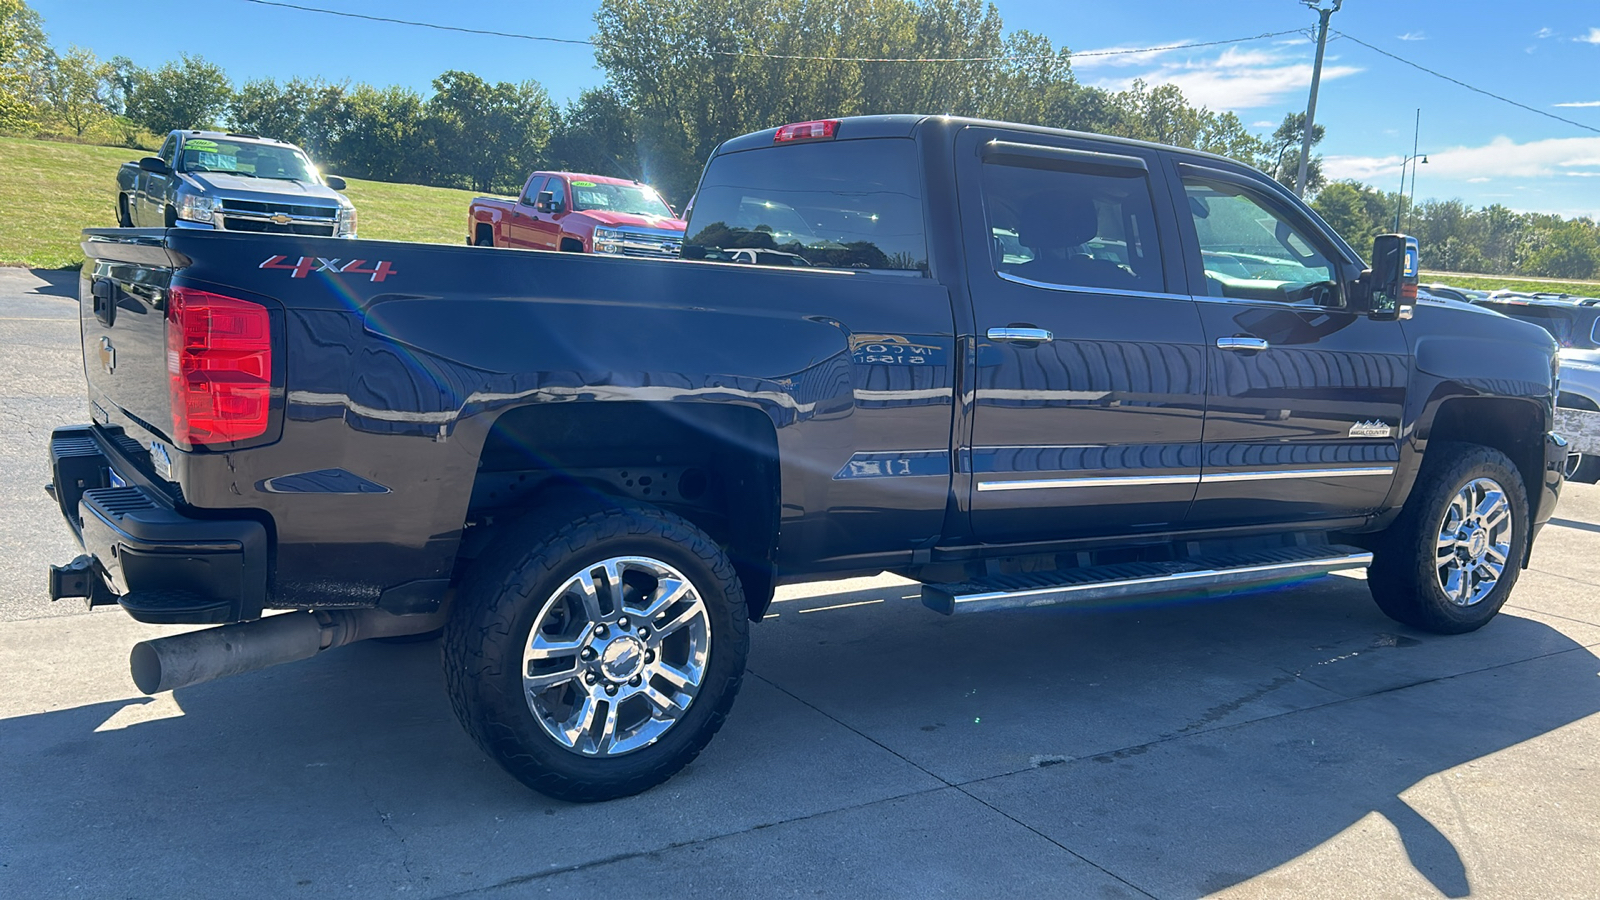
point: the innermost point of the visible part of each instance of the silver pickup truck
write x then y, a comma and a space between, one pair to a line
232, 182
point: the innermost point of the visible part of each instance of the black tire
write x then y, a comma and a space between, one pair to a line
172, 217
502, 598
1404, 577
571, 245
485, 238
123, 219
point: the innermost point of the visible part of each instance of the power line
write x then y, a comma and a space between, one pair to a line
351, 15
1478, 90
760, 55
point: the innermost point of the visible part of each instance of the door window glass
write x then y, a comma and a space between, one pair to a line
1250, 252
557, 187
530, 195
835, 204
1073, 229
168, 150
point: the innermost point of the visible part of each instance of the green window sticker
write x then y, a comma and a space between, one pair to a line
210, 146
584, 184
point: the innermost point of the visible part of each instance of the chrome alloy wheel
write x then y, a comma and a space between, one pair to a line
616, 655
1474, 541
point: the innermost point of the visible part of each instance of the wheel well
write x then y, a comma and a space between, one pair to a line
1514, 427
483, 230
1570, 400
716, 466
571, 245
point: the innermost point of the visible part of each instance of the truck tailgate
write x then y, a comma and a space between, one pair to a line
122, 295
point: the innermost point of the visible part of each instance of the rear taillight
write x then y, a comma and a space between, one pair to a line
821, 130
219, 362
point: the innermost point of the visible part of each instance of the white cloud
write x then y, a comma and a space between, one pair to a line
1593, 37
1413, 36
1479, 180
1264, 123
1237, 78
1543, 33
1582, 104
1500, 158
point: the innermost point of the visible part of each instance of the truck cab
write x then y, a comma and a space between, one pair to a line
578, 213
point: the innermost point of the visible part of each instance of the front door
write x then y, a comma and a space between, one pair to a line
1306, 395
544, 229
1090, 376
520, 231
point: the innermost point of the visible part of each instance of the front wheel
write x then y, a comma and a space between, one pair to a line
1450, 560
593, 653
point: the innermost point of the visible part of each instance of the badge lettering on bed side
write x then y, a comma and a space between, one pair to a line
305, 265
1370, 429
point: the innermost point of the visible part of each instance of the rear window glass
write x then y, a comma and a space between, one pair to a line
836, 204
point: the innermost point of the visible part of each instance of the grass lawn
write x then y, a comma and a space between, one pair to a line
1512, 283
51, 191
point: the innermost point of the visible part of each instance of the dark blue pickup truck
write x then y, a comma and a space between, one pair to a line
1023, 366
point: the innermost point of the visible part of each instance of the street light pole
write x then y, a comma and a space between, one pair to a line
1311, 105
1399, 203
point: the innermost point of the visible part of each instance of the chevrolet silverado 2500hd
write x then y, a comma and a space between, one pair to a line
1023, 366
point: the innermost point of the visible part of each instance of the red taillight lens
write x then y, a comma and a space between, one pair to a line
821, 130
219, 362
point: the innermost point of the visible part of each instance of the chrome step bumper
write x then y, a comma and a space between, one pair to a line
1201, 576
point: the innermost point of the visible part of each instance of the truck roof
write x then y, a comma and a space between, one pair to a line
187, 133
905, 126
584, 176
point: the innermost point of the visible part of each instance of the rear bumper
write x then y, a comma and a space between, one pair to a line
164, 565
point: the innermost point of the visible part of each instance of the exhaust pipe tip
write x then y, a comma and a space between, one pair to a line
145, 664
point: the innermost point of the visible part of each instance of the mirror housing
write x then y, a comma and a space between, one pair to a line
155, 166
334, 181
547, 202
1392, 280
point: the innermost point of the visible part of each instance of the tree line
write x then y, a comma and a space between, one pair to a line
683, 75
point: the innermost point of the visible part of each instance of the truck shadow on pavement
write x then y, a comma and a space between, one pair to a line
1184, 748
57, 282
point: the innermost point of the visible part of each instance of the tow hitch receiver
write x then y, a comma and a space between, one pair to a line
79, 579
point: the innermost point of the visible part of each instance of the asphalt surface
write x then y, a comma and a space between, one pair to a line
1289, 743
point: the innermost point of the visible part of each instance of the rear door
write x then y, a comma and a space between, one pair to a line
1090, 390
1305, 395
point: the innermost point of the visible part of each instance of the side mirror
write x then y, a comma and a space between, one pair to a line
155, 166
334, 182
1392, 280
547, 202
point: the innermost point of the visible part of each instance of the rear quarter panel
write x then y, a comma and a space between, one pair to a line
399, 380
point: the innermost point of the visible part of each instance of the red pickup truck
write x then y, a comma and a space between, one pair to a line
578, 214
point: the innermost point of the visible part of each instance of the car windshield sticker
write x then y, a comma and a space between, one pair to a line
583, 184
200, 145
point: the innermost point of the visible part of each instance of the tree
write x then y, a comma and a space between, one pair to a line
191, 93
487, 136
78, 91
23, 49
311, 113
597, 134
383, 135
1284, 147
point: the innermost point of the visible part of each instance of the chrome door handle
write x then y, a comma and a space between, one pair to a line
1029, 335
1241, 344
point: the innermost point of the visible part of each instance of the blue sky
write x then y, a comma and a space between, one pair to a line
1544, 53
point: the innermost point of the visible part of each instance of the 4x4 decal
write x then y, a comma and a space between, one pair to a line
305, 265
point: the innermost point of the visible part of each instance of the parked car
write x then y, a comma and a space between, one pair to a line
578, 213
1574, 323
232, 182
1464, 295
1007, 371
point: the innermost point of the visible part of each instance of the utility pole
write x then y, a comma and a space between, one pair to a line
1316, 81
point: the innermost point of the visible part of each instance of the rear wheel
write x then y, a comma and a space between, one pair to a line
593, 653
172, 217
485, 238
1450, 561
124, 220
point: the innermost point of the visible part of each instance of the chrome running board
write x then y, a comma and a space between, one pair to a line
1203, 576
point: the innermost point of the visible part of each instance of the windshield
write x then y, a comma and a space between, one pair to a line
244, 158
633, 199
845, 204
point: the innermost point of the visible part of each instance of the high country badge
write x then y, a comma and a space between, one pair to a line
1372, 429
